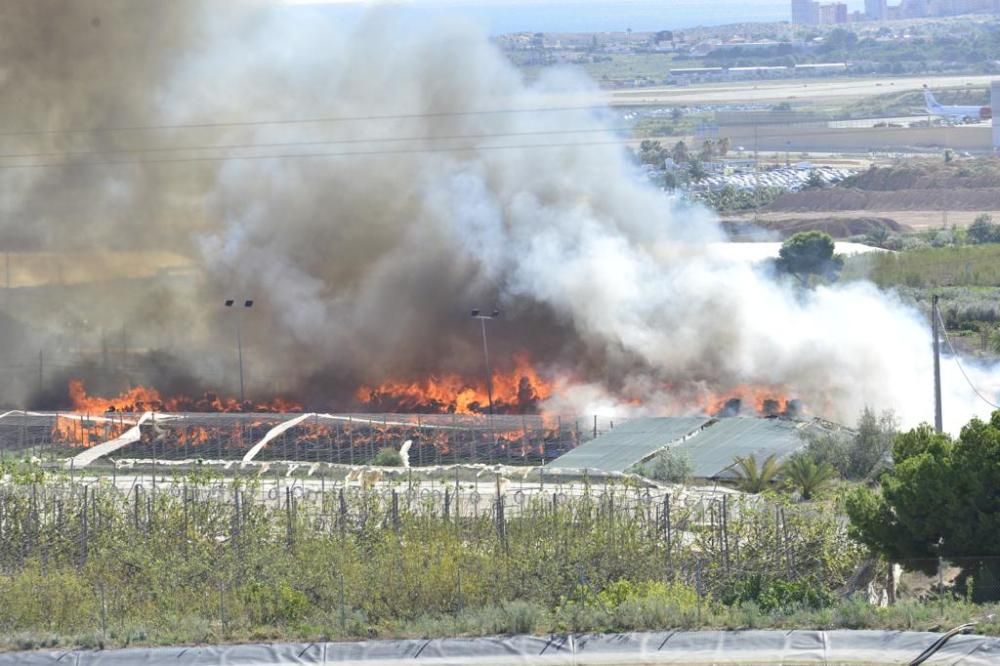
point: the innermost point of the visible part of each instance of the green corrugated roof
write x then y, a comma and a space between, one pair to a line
710, 444
635, 440
712, 450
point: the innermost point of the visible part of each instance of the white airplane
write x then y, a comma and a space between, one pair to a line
965, 114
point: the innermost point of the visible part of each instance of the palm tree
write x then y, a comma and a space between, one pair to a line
803, 474
754, 479
707, 150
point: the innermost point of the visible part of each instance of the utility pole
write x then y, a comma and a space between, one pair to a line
756, 175
482, 317
935, 318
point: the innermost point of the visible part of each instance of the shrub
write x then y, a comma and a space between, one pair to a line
669, 466
388, 457
778, 595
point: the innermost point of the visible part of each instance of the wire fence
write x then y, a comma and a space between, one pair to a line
702, 538
353, 439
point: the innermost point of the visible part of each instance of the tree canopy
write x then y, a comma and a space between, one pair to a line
809, 253
983, 230
940, 497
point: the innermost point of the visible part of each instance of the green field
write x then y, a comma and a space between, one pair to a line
964, 266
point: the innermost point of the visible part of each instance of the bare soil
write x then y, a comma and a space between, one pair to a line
838, 226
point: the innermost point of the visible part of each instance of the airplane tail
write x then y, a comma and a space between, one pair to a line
932, 104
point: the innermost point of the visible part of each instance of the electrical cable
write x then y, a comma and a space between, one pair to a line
281, 156
962, 369
300, 121
299, 144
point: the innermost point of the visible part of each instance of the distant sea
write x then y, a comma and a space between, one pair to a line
499, 16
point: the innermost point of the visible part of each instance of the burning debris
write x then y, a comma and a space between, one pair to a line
520, 391
142, 399
364, 239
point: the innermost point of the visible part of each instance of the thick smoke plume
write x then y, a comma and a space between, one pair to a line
409, 174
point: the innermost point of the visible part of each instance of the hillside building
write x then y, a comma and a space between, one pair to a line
877, 10
811, 12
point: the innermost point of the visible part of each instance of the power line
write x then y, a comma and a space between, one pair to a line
300, 144
281, 156
301, 121
954, 354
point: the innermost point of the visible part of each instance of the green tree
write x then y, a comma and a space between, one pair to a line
664, 36
994, 340
839, 39
754, 478
940, 498
696, 171
860, 455
877, 236
815, 180
723, 146
679, 153
670, 181
809, 253
707, 150
983, 230
676, 114
803, 474
651, 152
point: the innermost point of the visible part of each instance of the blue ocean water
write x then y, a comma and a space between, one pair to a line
500, 16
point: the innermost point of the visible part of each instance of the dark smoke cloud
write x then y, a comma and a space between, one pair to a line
363, 266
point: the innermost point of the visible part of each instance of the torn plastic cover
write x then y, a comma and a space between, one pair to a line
672, 647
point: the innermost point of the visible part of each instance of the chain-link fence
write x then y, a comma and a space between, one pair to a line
434, 439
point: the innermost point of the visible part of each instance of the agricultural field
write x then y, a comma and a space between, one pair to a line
199, 560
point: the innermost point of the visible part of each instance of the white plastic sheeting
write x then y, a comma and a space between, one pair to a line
681, 647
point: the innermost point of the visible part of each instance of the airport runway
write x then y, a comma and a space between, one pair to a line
812, 89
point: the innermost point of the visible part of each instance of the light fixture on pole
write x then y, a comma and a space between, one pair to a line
483, 317
247, 304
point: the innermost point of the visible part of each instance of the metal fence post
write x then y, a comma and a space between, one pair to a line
941, 584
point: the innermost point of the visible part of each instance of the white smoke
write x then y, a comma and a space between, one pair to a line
441, 180
374, 253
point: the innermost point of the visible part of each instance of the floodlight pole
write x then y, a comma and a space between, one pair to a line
247, 304
483, 317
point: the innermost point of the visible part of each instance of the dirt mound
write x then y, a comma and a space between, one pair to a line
845, 198
785, 228
963, 174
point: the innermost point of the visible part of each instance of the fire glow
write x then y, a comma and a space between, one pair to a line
141, 399
519, 391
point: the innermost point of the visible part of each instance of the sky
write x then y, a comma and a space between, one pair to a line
500, 16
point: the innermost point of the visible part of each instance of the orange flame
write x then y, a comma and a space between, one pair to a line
141, 399
760, 400
518, 391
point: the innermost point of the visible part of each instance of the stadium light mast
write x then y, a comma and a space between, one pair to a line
483, 317
247, 304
